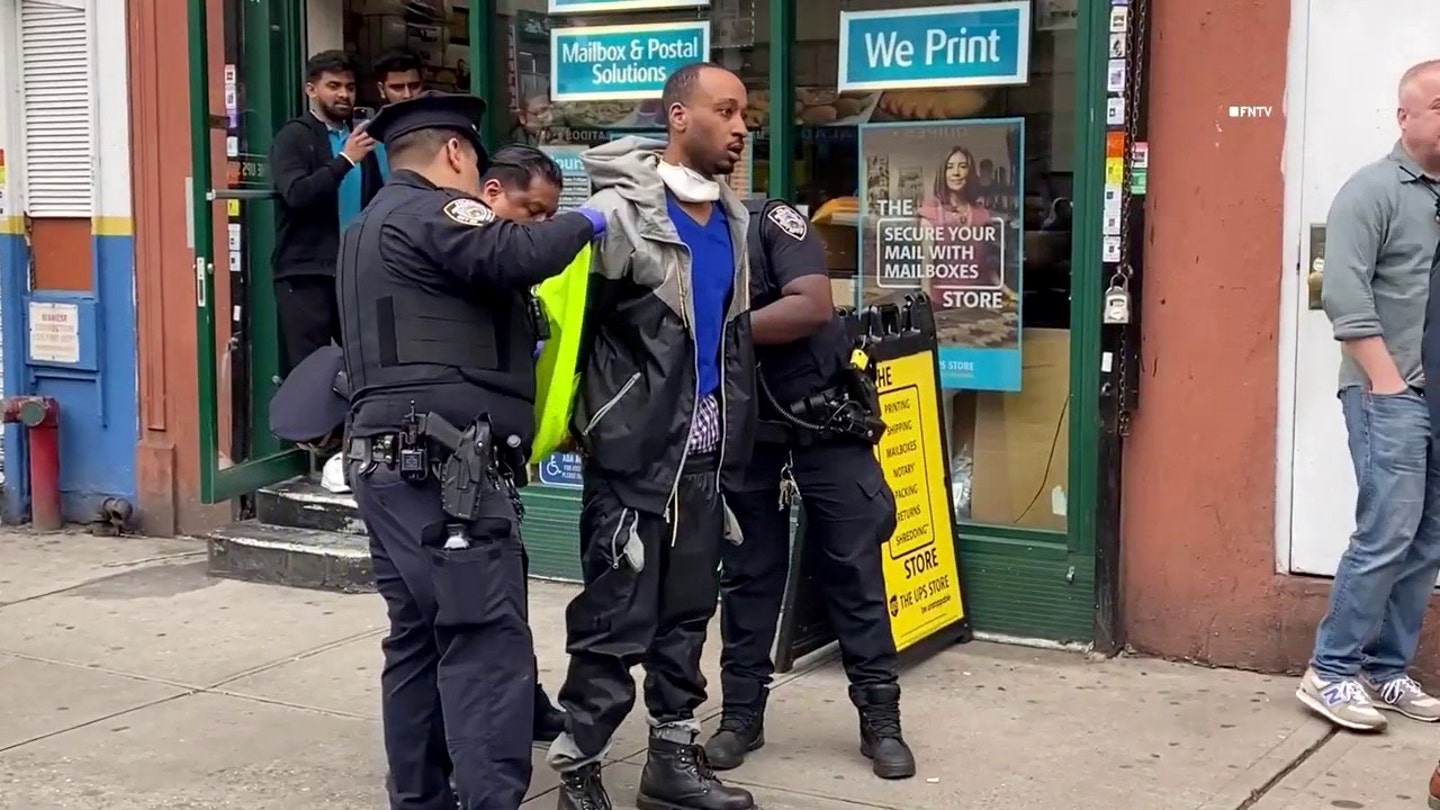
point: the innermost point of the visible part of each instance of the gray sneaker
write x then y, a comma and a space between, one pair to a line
1342, 702
1405, 696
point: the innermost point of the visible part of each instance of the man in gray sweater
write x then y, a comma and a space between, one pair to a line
1380, 242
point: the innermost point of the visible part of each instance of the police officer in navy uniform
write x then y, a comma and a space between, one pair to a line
802, 351
439, 331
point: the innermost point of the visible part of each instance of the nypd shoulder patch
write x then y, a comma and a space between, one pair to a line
469, 212
790, 221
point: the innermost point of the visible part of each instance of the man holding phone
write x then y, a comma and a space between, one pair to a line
311, 162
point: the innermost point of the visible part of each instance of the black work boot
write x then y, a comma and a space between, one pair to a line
581, 789
880, 738
742, 730
549, 721
677, 776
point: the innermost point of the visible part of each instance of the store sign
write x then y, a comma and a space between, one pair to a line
618, 62
924, 592
974, 45
922, 572
572, 172
606, 6
941, 207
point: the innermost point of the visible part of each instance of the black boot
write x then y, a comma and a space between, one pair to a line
742, 730
880, 737
677, 776
581, 789
549, 721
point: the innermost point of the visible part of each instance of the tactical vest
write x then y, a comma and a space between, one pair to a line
400, 333
795, 370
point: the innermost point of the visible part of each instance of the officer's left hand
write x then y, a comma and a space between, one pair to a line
597, 220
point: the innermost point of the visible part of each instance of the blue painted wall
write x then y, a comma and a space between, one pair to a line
98, 398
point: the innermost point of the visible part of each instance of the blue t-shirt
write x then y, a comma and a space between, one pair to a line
350, 186
712, 278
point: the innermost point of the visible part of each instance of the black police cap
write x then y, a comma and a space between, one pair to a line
312, 401
461, 112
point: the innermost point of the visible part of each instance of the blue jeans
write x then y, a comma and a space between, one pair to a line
1386, 576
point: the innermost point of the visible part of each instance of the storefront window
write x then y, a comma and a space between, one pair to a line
963, 192
554, 112
437, 33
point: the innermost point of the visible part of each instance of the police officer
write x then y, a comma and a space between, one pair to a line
439, 332
803, 352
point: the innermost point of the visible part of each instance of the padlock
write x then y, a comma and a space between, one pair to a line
1117, 306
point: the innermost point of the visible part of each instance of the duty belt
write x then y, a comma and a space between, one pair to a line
466, 461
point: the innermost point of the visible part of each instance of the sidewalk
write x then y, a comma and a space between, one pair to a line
131, 681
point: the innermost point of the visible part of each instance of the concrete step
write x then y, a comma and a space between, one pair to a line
304, 504
299, 557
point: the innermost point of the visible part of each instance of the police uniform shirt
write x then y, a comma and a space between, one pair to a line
792, 250
426, 248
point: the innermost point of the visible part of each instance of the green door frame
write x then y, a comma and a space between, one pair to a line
1036, 583
271, 40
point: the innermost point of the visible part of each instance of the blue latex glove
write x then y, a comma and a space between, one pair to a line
597, 220
539, 347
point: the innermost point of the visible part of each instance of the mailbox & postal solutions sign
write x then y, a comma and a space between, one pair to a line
616, 62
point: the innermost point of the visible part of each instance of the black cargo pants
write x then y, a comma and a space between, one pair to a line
650, 592
458, 683
850, 515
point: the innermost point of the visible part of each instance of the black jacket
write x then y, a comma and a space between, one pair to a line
638, 385
307, 177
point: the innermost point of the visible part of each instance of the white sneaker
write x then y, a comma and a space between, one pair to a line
1342, 702
332, 477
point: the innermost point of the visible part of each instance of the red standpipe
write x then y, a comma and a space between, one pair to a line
41, 415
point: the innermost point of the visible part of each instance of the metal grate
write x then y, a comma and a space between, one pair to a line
57, 98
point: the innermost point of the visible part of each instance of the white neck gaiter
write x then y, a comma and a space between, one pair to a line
687, 184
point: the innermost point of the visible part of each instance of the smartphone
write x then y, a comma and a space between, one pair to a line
361, 115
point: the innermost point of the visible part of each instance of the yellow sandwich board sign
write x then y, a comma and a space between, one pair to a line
922, 572
923, 582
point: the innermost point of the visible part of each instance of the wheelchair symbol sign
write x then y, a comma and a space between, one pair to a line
561, 470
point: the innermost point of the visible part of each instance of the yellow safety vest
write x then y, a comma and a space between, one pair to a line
557, 370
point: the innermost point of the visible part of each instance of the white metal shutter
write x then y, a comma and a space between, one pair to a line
56, 88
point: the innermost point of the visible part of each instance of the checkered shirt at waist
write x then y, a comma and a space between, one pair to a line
705, 428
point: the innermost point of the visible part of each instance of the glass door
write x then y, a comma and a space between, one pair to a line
245, 79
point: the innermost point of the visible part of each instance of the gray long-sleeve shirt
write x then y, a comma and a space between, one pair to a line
1380, 238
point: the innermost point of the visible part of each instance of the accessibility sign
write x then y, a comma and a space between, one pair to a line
561, 470
616, 62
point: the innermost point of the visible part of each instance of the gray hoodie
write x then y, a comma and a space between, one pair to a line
641, 240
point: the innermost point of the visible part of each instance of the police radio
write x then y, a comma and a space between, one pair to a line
413, 458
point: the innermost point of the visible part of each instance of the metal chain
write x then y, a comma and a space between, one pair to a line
1134, 79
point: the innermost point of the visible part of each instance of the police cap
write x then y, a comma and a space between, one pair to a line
461, 112
311, 403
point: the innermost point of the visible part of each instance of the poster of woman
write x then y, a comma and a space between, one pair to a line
941, 205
